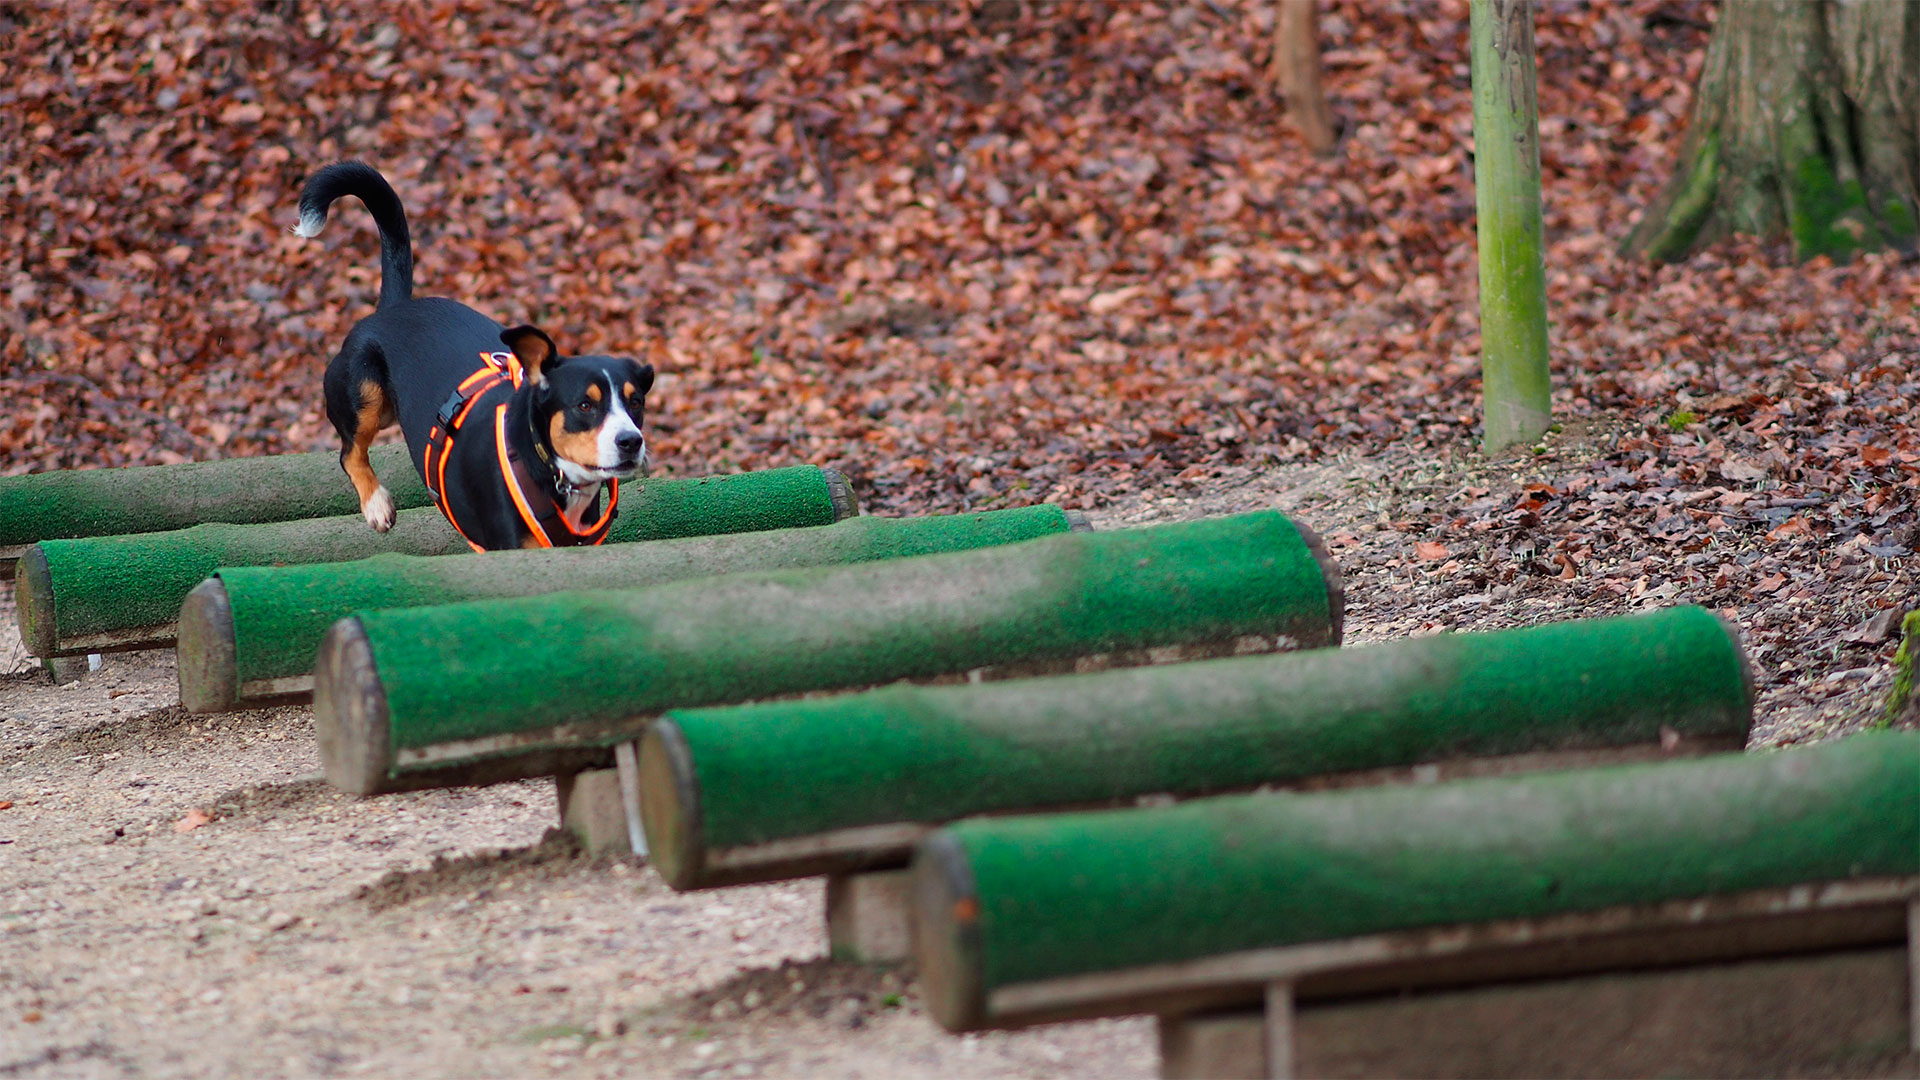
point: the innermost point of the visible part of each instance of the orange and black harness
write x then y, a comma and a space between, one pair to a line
539, 510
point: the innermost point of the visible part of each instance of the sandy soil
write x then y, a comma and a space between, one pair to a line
445, 933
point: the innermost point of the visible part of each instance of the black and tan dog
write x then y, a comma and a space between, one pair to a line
515, 443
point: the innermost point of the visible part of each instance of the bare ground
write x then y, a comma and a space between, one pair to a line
445, 933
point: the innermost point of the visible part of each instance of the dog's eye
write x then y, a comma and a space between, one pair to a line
585, 406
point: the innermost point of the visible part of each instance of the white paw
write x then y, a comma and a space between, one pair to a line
379, 509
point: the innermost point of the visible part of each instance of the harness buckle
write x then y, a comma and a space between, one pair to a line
449, 410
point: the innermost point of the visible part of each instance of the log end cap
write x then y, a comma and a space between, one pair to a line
840, 490
33, 602
946, 933
1748, 682
670, 809
350, 716
209, 679
1330, 577
1077, 521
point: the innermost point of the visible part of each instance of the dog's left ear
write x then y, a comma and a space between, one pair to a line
534, 349
643, 377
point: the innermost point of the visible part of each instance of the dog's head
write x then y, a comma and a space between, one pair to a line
589, 409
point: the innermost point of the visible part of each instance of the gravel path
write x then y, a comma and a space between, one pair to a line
183, 897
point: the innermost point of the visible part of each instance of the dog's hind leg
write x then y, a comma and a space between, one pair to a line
359, 406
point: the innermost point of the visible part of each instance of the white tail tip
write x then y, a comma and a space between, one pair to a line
310, 224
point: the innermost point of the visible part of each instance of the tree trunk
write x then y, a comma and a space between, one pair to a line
1513, 288
1903, 705
1296, 71
1806, 124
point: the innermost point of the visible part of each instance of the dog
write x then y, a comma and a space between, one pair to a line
513, 439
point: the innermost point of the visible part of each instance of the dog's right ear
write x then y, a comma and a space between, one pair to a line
534, 349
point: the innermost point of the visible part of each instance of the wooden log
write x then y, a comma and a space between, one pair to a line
471, 686
248, 635
162, 498
1846, 1009
820, 785
115, 593
103, 594
1386, 889
868, 917
593, 811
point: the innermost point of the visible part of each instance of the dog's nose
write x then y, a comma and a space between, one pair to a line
629, 443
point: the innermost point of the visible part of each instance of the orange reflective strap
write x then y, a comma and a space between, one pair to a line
513, 481
471, 389
446, 504
501, 367
507, 364
606, 519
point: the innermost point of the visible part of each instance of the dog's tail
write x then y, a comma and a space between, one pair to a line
365, 183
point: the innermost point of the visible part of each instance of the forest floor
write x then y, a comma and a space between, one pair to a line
973, 255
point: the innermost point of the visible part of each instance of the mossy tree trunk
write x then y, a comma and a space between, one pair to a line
1806, 125
1903, 705
1515, 393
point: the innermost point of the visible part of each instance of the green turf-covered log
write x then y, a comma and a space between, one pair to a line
496, 689
1021, 902
248, 635
783, 789
162, 498
124, 592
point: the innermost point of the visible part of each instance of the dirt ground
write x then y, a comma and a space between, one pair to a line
444, 933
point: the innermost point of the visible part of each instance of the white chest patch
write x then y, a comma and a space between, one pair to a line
581, 501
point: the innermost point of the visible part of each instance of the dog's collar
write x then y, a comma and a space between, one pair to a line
540, 450
563, 489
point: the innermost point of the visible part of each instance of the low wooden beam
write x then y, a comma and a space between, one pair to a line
1385, 890
425, 696
827, 784
248, 635
113, 593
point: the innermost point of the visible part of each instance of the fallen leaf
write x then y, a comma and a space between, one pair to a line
195, 818
6, 804
1107, 303
1431, 551
1770, 584
1875, 630
1875, 456
1794, 526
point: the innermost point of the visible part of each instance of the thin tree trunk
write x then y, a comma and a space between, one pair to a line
1513, 289
1806, 125
1903, 705
1296, 71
